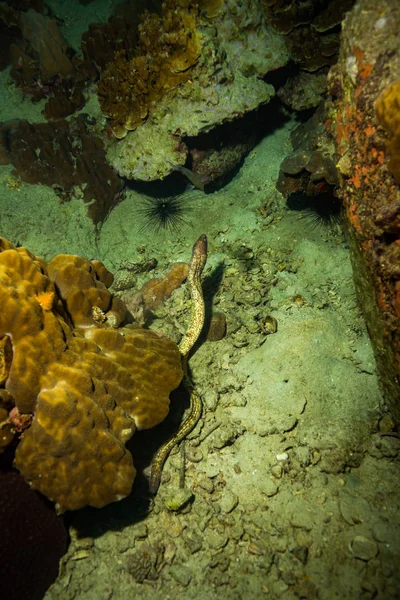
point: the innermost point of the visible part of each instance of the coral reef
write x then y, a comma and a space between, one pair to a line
43, 64
168, 46
363, 89
310, 168
199, 77
9, 30
310, 28
83, 383
311, 32
304, 90
64, 155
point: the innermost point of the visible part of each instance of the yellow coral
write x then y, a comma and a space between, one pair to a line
169, 45
388, 113
87, 385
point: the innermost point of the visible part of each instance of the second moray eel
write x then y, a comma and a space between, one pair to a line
196, 266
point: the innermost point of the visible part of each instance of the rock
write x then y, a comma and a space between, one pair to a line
217, 540
181, 574
180, 498
302, 516
228, 502
363, 548
276, 471
354, 510
206, 484
192, 540
269, 488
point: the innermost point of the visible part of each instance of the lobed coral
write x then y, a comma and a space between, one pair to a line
388, 113
310, 168
83, 385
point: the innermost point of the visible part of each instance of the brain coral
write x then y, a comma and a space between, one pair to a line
85, 385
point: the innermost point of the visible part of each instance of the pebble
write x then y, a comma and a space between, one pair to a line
212, 470
386, 424
206, 484
269, 488
279, 543
217, 540
192, 540
80, 554
354, 510
363, 548
181, 574
210, 399
140, 531
277, 471
124, 543
278, 588
303, 517
282, 456
178, 499
228, 502
383, 532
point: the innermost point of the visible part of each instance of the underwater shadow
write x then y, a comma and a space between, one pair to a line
94, 522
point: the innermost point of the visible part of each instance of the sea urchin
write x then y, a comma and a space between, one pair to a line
163, 213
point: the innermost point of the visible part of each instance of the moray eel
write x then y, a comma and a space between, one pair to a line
196, 266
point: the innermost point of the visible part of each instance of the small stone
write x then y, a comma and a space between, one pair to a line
80, 554
237, 531
206, 484
84, 543
282, 456
140, 531
363, 548
212, 470
302, 454
303, 517
278, 588
384, 532
279, 543
269, 488
210, 399
124, 543
228, 502
354, 510
180, 498
217, 540
276, 471
301, 553
181, 574
386, 424
192, 540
